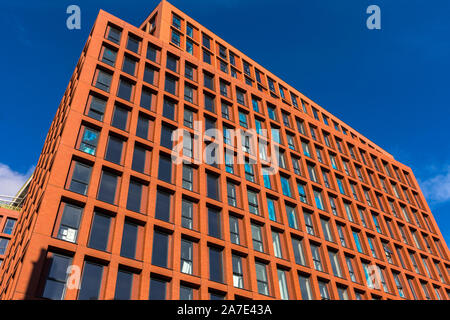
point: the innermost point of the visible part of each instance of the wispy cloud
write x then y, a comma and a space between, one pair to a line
437, 188
11, 181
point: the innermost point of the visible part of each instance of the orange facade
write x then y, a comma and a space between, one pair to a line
106, 200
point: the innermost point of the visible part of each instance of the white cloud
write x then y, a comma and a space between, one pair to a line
11, 181
437, 188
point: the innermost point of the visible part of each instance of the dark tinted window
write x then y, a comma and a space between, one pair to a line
171, 63
214, 227
146, 99
129, 240
152, 52
97, 108
165, 168
129, 65
213, 186
149, 74
133, 44
120, 118
215, 265
169, 109
114, 150
114, 34
100, 231
91, 281
124, 285
108, 186
160, 245
209, 102
166, 137
109, 56
208, 81
171, 85
125, 89
139, 156
55, 284
134, 196
157, 289
80, 178
142, 127
162, 211
103, 80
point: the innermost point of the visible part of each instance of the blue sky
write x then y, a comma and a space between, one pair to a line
320, 47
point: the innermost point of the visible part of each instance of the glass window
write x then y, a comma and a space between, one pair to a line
282, 282
163, 202
315, 252
99, 236
257, 238
109, 56
187, 248
9, 226
234, 230
91, 281
96, 108
238, 273
103, 80
261, 278
276, 242
214, 223
187, 218
133, 44
305, 287
120, 118
124, 285
80, 178
70, 222
89, 140
55, 283
114, 150
299, 254
114, 34
107, 188
212, 186
158, 289
129, 65
129, 240
160, 249
165, 168
139, 159
215, 265
125, 90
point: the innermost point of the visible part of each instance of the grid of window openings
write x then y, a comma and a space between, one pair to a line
311, 231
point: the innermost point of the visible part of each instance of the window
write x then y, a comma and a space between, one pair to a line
323, 289
188, 177
340, 230
152, 52
398, 284
309, 223
146, 99
96, 108
243, 119
91, 281
108, 187
302, 192
169, 109
238, 274
292, 217
214, 223
187, 209
103, 80
55, 283
165, 168
249, 172
89, 140
335, 265
176, 38
160, 249
326, 230
68, 228
342, 292
170, 85
149, 74
315, 252
163, 202
143, 126
187, 248
215, 265
271, 209
109, 56
282, 282
186, 293
212, 182
158, 289
257, 238
234, 230
139, 159
351, 271
129, 65
124, 285
129, 240
120, 118
285, 186
357, 242
261, 278
305, 148
125, 90
231, 194
80, 178
113, 34
312, 173
305, 287
318, 200
299, 254
100, 229
3, 245
206, 57
133, 44
9, 226
114, 150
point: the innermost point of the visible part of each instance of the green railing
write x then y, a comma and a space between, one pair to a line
11, 203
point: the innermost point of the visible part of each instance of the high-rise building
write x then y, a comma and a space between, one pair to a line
110, 214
